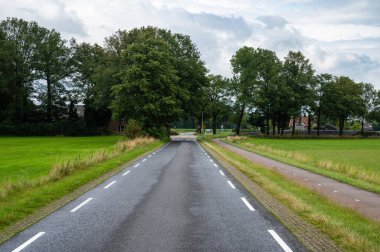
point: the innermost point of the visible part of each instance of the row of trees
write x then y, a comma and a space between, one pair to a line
156, 77
147, 74
274, 92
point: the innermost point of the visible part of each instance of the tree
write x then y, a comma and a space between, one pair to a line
343, 99
368, 97
323, 82
53, 64
149, 92
242, 86
93, 82
298, 73
217, 94
268, 77
21, 37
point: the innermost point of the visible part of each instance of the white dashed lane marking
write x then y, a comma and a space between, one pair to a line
28, 242
231, 185
126, 173
278, 239
110, 184
247, 204
222, 173
136, 165
215, 165
80, 205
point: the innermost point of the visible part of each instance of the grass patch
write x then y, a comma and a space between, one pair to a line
66, 176
348, 229
352, 161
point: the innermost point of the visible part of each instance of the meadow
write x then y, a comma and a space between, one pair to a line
36, 171
353, 161
31, 157
348, 229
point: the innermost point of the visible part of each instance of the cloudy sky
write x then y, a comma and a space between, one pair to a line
341, 37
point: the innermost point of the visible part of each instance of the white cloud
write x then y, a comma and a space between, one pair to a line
341, 37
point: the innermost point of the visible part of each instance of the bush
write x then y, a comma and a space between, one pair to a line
133, 129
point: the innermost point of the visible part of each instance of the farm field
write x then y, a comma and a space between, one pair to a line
353, 161
30, 157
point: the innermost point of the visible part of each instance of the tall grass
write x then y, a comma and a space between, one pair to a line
65, 167
339, 167
347, 228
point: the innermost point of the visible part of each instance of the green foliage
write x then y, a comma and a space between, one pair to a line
152, 90
133, 129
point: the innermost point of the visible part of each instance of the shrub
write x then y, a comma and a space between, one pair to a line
133, 129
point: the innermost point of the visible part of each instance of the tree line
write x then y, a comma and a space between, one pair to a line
148, 75
274, 92
152, 78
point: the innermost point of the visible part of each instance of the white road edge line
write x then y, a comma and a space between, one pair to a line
81, 204
278, 239
126, 173
232, 185
247, 204
211, 160
25, 244
215, 165
149, 156
144, 159
136, 165
222, 173
113, 182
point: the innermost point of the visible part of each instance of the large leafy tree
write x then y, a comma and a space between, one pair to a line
217, 94
243, 84
323, 84
343, 100
150, 90
368, 100
22, 38
53, 64
267, 81
298, 73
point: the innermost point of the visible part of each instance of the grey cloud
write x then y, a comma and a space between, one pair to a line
273, 21
65, 22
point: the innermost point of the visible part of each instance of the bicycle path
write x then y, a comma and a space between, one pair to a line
361, 201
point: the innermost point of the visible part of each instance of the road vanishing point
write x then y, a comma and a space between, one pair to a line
177, 198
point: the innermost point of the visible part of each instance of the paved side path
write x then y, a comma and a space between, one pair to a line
362, 201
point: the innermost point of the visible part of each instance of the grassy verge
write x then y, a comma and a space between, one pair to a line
65, 177
352, 161
348, 229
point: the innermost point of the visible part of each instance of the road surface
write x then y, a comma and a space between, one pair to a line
175, 199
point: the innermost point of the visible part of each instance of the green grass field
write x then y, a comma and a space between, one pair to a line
35, 171
31, 157
353, 161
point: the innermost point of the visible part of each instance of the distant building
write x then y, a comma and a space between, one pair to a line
302, 122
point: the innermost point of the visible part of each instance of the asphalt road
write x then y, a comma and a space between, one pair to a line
175, 199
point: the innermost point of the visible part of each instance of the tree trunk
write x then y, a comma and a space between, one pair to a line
49, 101
282, 131
318, 120
362, 126
278, 127
274, 127
240, 119
309, 124
341, 126
214, 123
294, 125
267, 123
